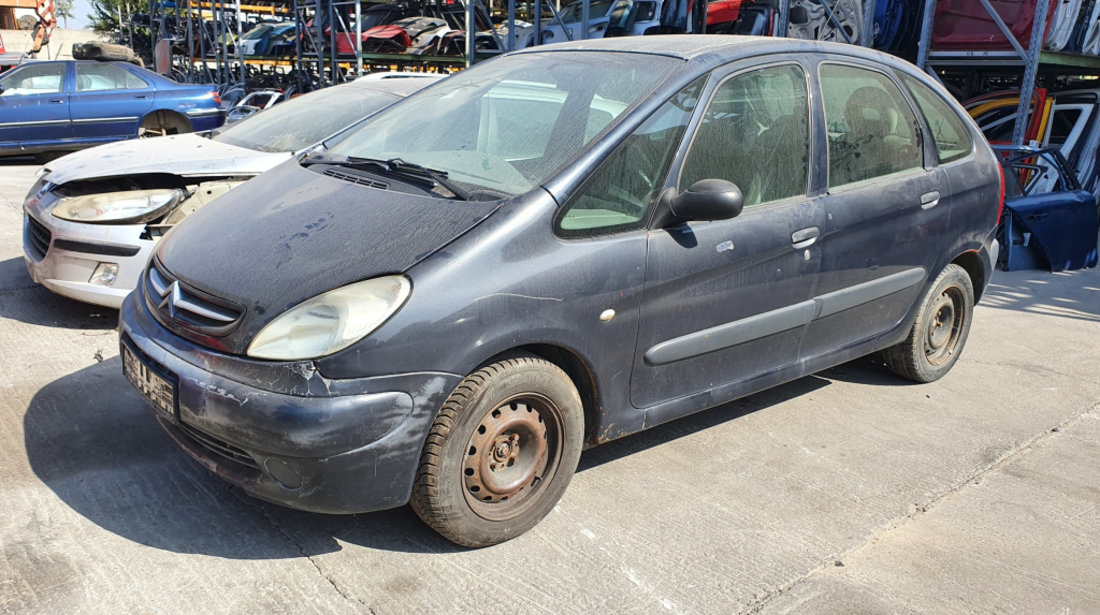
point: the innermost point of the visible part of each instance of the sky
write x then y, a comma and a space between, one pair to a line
81, 10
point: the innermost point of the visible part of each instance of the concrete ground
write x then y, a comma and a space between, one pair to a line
846, 492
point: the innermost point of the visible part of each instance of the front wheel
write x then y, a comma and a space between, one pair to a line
939, 331
500, 453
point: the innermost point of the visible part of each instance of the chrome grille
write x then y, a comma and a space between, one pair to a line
219, 447
38, 238
356, 179
173, 301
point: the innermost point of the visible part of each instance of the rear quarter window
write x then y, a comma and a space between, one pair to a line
949, 134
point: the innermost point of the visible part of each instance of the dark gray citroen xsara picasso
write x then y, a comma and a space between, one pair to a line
554, 249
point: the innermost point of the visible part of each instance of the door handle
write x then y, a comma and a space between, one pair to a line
141, 96
928, 200
56, 100
805, 238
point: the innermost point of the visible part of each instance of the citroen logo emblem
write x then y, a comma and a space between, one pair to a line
170, 297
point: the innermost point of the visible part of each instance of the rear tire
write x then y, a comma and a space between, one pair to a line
161, 123
939, 331
500, 453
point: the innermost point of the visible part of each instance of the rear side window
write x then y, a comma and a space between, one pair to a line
949, 134
95, 76
618, 194
755, 134
872, 130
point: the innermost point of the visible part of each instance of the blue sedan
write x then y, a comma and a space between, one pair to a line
69, 105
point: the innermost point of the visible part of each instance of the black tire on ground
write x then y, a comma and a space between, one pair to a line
500, 453
939, 331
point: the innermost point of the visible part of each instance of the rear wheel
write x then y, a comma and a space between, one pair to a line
939, 331
161, 123
500, 453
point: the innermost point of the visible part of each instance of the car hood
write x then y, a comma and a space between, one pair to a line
186, 155
294, 233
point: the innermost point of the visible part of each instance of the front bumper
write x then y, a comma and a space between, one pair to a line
63, 256
300, 440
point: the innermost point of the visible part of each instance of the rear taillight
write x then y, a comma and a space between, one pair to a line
1001, 201
218, 99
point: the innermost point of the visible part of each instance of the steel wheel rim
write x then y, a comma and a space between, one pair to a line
510, 457
941, 336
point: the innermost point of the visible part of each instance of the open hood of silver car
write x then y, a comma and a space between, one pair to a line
187, 155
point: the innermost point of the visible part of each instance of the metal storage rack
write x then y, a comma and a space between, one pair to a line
212, 57
1033, 60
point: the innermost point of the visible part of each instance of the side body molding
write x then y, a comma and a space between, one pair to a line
789, 317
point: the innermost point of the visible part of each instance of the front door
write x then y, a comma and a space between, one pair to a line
34, 106
727, 301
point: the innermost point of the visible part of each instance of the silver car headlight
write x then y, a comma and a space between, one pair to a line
331, 321
132, 206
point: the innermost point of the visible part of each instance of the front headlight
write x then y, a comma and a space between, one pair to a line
133, 206
331, 321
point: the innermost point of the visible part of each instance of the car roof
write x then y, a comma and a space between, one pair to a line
402, 84
715, 49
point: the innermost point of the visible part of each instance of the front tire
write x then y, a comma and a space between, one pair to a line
500, 453
939, 331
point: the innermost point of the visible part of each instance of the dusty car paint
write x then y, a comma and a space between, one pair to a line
646, 323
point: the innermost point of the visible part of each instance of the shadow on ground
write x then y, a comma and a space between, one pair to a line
92, 440
38, 306
17, 161
1065, 294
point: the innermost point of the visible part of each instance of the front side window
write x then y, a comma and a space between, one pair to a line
34, 79
618, 194
96, 76
949, 134
872, 130
507, 125
756, 134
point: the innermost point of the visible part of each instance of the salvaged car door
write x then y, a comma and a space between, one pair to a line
887, 210
34, 105
109, 101
728, 300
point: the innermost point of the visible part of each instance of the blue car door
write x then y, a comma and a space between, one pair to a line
34, 107
108, 102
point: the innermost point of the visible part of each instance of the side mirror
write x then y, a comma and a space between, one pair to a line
707, 199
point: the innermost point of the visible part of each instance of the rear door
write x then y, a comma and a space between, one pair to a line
34, 105
727, 301
108, 101
887, 209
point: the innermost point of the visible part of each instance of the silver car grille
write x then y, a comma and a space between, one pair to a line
174, 302
37, 239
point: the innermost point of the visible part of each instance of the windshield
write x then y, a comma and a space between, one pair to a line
508, 124
303, 121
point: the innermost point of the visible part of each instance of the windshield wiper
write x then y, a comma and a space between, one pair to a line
397, 166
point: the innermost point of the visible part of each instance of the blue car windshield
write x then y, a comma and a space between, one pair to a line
507, 125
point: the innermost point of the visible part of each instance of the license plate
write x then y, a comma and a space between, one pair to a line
157, 386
